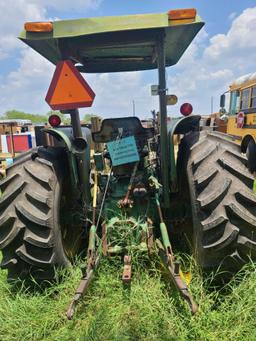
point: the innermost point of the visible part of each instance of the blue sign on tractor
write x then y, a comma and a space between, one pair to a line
123, 151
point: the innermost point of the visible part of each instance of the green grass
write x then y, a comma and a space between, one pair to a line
150, 310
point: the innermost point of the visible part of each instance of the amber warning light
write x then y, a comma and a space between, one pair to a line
182, 14
38, 27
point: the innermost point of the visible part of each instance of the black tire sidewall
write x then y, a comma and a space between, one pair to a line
60, 255
251, 156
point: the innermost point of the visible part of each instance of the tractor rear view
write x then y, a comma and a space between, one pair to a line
133, 195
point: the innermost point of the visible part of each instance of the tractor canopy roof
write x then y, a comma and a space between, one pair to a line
112, 44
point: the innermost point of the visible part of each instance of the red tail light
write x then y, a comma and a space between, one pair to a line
186, 109
54, 120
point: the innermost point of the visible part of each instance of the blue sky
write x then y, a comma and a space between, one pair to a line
215, 13
224, 50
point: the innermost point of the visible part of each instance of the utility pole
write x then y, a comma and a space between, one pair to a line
211, 104
133, 107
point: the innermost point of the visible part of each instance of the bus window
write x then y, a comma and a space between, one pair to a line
253, 99
245, 99
234, 102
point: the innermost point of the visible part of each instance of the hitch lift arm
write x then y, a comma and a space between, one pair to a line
166, 254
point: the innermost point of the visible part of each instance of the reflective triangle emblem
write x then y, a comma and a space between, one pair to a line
68, 89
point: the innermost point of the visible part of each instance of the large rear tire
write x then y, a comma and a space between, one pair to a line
222, 201
31, 235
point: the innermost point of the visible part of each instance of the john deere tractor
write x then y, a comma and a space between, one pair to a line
80, 187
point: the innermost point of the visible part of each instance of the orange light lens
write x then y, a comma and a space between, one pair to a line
38, 26
179, 14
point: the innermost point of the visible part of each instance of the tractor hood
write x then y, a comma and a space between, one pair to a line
112, 44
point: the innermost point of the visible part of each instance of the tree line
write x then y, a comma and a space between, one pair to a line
36, 119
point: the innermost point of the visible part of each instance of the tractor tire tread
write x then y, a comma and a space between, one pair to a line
222, 202
29, 238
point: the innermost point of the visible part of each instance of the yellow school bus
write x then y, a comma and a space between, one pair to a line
241, 121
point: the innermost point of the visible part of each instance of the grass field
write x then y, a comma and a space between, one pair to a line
149, 310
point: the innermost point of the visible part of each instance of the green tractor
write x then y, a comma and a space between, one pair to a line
58, 199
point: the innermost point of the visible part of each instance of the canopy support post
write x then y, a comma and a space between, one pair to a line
76, 123
164, 145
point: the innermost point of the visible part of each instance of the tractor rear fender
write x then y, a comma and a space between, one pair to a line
78, 156
179, 127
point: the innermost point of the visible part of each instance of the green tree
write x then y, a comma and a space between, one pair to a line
65, 118
15, 114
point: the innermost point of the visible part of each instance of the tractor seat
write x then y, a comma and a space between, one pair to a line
111, 128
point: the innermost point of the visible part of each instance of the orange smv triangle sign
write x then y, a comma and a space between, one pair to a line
68, 89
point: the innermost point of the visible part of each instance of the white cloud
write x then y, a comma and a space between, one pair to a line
15, 13
195, 49
116, 92
205, 70
238, 42
226, 57
26, 87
